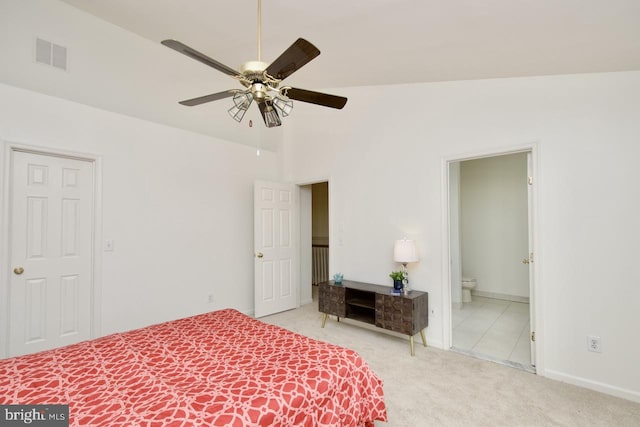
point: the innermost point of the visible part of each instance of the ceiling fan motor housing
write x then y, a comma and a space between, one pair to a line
253, 69
259, 91
253, 72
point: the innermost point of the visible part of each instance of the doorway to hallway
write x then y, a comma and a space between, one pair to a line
315, 249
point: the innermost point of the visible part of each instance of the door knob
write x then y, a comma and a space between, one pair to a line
526, 261
18, 270
259, 255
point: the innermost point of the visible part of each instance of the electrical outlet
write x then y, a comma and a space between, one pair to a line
594, 344
210, 298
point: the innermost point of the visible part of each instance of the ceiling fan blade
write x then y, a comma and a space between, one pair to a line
292, 59
269, 114
198, 56
317, 98
208, 98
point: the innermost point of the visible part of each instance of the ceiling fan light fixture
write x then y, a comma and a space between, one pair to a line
237, 113
242, 100
271, 118
283, 104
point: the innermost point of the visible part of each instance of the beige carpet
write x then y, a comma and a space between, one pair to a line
444, 388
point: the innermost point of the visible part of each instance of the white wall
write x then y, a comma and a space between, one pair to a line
494, 225
116, 70
385, 164
178, 205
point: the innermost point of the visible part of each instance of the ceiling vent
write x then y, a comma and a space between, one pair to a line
51, 54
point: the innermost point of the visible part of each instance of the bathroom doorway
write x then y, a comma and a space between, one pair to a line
490, 258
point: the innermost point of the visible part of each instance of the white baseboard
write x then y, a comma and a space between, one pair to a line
496, 295
594, 385
435, 344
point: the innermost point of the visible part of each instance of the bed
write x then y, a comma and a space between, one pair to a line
214, 369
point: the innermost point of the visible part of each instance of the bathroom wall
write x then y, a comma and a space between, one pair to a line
493, 225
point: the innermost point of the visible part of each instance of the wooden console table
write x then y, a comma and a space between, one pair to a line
374, 304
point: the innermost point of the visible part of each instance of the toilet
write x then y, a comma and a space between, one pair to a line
468, 283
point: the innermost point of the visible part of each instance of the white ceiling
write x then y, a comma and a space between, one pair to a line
380, 42
373, 42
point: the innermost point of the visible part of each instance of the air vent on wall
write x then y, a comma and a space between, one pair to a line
51, 54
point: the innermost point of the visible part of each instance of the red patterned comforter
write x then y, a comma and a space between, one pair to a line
219, 368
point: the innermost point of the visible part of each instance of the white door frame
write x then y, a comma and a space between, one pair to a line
535, 288
5, 233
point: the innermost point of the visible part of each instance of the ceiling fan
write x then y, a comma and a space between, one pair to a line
262, 81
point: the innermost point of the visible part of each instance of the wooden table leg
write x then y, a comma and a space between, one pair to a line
413, 351
324, 319
424, 339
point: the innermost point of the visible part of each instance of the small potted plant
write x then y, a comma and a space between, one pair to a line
397, 277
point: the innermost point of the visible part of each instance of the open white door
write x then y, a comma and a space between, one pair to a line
532, 289
276, 235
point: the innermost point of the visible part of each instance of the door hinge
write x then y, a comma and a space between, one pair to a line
530, 180
533, 336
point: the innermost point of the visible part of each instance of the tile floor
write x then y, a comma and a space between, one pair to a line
493, 328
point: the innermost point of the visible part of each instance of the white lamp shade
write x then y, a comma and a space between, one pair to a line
405, 251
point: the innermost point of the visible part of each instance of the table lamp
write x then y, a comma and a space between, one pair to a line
404, 252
